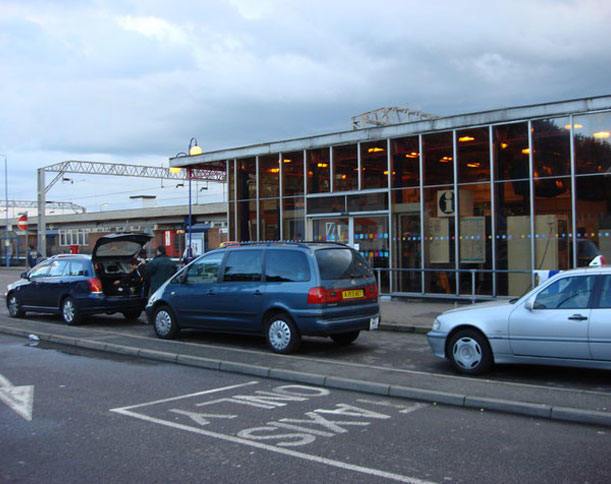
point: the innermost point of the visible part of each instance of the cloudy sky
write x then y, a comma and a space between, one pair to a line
133, 81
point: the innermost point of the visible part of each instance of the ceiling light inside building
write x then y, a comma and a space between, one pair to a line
601, 134
464, 139
274, 170
375, 149
575, 126
445, 159
504, 146
286, 160
322, 165
525, 151
473, 164
413, 154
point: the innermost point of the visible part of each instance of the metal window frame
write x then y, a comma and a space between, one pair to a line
331, 170
391, 232
280, 196
257, 198
359, 167
492, 208
423, 247
573, 191
531, 184
456, 213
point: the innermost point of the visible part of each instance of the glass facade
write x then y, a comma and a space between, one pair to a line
468, 212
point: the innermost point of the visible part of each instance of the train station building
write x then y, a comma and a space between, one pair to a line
451, 207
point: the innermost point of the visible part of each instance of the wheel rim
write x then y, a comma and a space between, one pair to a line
13, 307
68, 311
467, 353
163, 322
279, 334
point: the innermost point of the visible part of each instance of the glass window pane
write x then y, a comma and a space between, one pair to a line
592, 143
567, 293
335, 204
334, 264
371, 240
286, 266
319, 169
439, 239
270, 219
513, 260
438, 162
57, 268
475, 238
247, 221
77, 268
408, 243
473, 155
374, 165
331, 229
293, 218
247, 178
405, 162
232, 208
230, 180
605, 293
243, 266
368, 202
511, 151
551, 147
553, 225
204, 270
292, 178
345, 164
593, 218
269, 176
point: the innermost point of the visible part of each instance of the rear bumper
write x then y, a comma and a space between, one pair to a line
99, 303
328, 321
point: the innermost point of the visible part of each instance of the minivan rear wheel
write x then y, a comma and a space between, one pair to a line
344, 339
281, 333
165, 323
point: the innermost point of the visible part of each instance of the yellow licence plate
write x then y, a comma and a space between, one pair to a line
352, 294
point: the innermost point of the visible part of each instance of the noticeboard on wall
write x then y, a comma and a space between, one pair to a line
473, 240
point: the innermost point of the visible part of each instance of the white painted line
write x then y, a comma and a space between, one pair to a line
271, 448
205, 392
18, 398
402, 408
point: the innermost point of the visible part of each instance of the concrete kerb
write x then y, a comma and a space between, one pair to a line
565, 414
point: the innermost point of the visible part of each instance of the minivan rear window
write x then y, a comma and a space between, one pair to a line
341, 263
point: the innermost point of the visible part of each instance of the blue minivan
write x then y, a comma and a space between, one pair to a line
282, 290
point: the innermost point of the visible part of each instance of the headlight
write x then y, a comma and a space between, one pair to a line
436, 325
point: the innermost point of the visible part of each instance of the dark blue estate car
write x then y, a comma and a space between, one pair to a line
280, 290
76, 286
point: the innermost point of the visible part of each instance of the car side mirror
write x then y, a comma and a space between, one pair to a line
530, 304
25, 275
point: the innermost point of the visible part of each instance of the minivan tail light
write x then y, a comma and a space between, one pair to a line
371, 291
320, 295
95, 285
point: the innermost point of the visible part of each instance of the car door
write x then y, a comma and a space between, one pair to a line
557, 324
237, 299
191, 296
600, 321
52, 285
29, 294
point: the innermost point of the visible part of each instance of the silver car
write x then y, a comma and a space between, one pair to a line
566, 321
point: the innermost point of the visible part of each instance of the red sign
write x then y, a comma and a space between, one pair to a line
22, 222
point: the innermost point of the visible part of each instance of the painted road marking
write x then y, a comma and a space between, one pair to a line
402, 408
18, 398
328, 422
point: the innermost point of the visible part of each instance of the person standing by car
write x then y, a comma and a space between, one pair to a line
160, 269
32, 256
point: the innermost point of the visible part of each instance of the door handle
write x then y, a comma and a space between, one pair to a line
577, 317
258, 293
211, 293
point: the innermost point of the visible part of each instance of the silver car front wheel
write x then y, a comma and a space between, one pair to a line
469, 352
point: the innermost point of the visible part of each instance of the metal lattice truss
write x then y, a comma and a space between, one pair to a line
386, 116
212, 173
50, 205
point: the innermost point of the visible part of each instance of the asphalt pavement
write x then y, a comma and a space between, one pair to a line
101, 417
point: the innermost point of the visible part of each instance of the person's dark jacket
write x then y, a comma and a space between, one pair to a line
159, 270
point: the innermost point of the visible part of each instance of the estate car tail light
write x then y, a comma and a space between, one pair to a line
95, 285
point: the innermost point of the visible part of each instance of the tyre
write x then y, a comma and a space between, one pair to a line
281, 333
70, 313
132, 315
13, 306
470, 353
165, 324
344, 339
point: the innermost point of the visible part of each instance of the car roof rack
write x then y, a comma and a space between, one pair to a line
299, 243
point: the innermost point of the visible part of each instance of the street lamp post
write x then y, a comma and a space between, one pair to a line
6, 254
194, 150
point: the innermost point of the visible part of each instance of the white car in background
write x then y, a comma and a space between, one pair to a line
565, 321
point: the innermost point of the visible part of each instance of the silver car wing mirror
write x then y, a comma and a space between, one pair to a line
530, 303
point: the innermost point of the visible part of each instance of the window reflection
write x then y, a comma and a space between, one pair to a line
438, 159
247, 178
292, 168
592, 143
319, 169
511, 151
270, 219
405, 162
293, 218
345, 164
593, 218
269, 176
512, 237
473, 155
408, 243
551, 147
247, 221
374, 165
